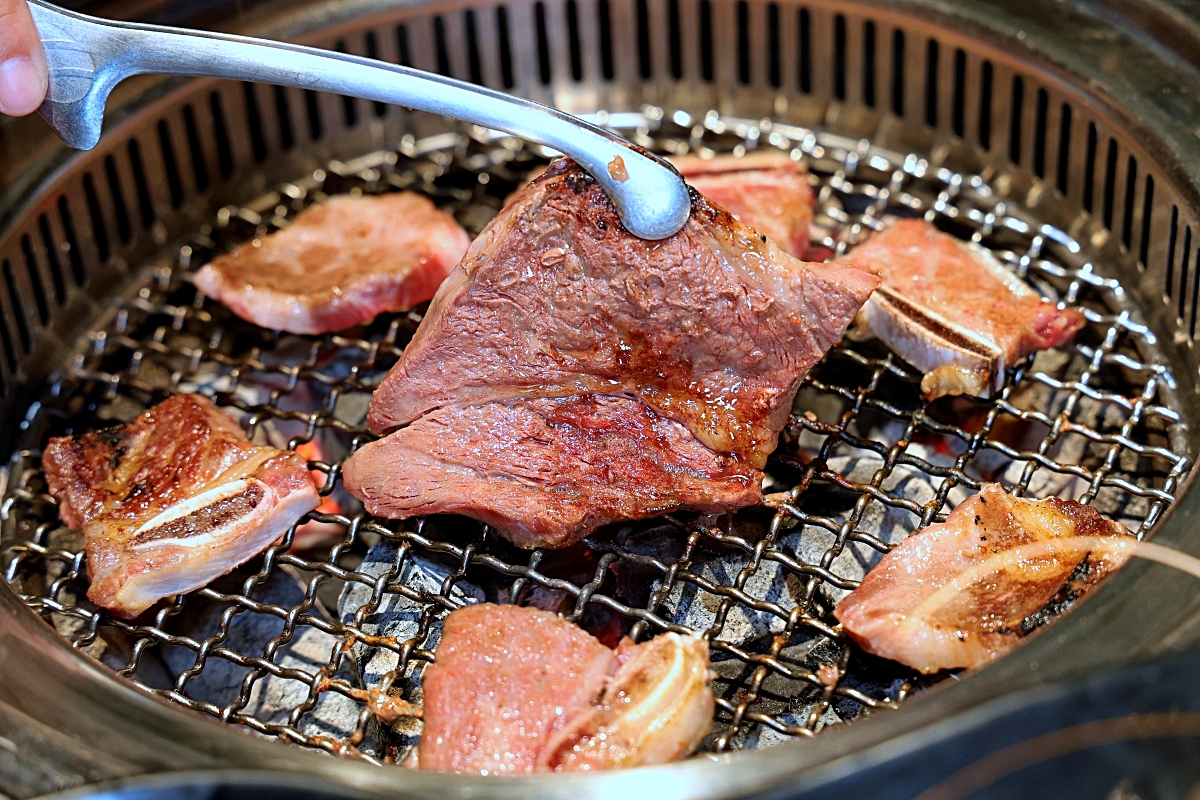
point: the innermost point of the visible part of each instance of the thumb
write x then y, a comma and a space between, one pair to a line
22, 64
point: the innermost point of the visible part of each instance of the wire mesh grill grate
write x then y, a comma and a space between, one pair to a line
308, 641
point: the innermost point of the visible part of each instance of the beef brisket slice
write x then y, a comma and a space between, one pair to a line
547, 471
713, 327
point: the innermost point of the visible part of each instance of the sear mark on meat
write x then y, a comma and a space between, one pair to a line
547, 471
204, 520
713, 327
172, 500
963, 592
766, 191
516, 690
339, 264
952, 311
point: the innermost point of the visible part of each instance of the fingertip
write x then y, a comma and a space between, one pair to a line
23, 86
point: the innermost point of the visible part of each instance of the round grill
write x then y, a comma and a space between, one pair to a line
293, 644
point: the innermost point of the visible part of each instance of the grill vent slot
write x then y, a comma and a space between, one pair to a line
1064, 146
170, 165
74, 254
1172, 240
10, 280
283, 112
839, 57
1089, 168
1183, 271
474, 62
868, 88
675, 39
543, 43
124, 231
221, 134
56, 274
1110, 183
443, 52
199, 167
645, 65
35, 279
1147, 212
959, 109
145, 204
604, 23
931, 83
258, 139
99, 232
804, 23
743, 42
1039, 133
1131, 174
898, 72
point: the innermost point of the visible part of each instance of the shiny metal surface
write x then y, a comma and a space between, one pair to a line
1130, 199
88, 57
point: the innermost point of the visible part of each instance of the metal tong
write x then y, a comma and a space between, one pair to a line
87, 57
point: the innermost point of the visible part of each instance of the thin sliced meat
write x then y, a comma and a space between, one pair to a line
339, 264
517, 690
656, 709
503, 680
172, 500
769, 192
952, 311
963, 592
547, 471
713, 327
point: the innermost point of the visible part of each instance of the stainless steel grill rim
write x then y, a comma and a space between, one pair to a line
1055, 180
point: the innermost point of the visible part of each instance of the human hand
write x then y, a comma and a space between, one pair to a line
23, 81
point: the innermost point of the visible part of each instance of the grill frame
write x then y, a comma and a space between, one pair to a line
1103, 612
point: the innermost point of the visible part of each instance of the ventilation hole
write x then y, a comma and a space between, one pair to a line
474, 63
1110, 183
805, 59
442, 50
10, 279
1147, 211
74, 254
350, 104
707, 70
124, 230
372, 43
868, 87
573, 45
1172, 235
839, 57
985, 105
958, 111
504, 45
199, 168
313, 108
258, 141
1183, 269
99, 231
145, 203
774, 59
1131, 170
10, 352
1039, 133
56, 275
404, 59
170, 166
743, 40
221, 132
1195, 296
898, 73
1017, 121
543, 42
1064, 147
35, 279
674, 39
931, 83
604, 19
1089, 168
643, 30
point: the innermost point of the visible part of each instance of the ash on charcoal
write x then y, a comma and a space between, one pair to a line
272, 698
397, 617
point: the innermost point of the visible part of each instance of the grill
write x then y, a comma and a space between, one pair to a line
893, 115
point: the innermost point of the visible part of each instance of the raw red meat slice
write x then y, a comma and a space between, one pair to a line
339, 264
172, 500
518, 690
547, 471
952, 311
713, 327
766, 191
504, 679
958, 593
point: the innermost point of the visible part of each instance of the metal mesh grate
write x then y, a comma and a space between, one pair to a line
303, 642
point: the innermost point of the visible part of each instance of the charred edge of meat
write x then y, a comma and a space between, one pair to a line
1077, 586
206, 519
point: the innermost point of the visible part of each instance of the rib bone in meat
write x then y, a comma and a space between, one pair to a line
172, 500
952, 311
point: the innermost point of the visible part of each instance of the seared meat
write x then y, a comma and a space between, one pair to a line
952, 311
961, 593
519, 690
713, 327
172, 500
656, 709
547, 471
767, 191
339, 264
